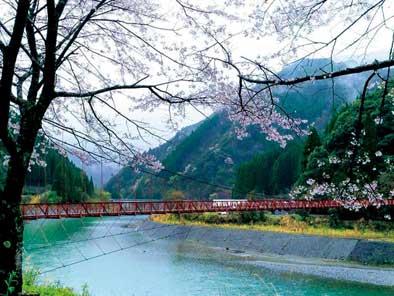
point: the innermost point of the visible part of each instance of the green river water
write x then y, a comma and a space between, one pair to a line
161, 267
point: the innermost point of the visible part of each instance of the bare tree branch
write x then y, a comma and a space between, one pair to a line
348, 71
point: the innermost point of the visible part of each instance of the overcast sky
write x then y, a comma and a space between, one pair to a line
375, 47
378, 48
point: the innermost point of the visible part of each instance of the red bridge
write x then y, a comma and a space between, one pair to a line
118, 208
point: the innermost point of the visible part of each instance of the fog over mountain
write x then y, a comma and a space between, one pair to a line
210, 152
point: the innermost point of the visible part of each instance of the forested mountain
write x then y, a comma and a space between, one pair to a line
205, 162
326, 159
271, 173
59, 181
209, 154
124, 183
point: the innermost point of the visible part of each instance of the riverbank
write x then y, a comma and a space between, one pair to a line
344, 272
290, 224
32, 287
328, 257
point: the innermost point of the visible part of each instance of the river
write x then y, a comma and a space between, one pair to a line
116, 260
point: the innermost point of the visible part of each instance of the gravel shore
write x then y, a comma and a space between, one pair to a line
361, 274
334, 258
331, 269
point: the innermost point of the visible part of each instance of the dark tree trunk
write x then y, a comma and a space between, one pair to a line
11, 226
20, 150
11, 220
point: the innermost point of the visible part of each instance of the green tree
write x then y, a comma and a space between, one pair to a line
286, 168
61, 180
90, 187
271, 172
370, 136
346, 158
263, 172
245, 180
312, 141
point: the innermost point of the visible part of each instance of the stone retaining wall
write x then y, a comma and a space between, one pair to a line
307, 246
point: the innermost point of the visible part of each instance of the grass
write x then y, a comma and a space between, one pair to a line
51, 290
31, 286
288, 224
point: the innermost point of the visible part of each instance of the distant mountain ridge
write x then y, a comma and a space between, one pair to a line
166, 148
209, 153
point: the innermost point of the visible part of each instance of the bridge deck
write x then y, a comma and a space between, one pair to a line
118, 208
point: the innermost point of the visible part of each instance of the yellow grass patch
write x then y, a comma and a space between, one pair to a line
287, 225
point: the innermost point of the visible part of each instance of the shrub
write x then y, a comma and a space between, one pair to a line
360, 225
174, 195
380, 226
30, 285
51, 197
303, 215
333, 218
291, 223
211, 218
252, 217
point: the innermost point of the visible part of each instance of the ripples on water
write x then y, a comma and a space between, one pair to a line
157, 268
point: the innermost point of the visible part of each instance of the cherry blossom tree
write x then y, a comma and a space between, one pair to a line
79, 67
355, 163
69, 66
66, 61
308, 29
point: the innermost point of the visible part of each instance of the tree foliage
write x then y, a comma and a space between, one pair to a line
273, 172
359, 167
59, 175
71, 183
312, 141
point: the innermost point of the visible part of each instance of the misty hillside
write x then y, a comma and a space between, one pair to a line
60, 180
209, 153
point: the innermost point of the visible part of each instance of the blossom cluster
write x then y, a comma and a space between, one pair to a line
229, 160
351, 192
278, 126
146, 160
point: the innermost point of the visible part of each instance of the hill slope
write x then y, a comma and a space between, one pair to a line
211, 153
59, 181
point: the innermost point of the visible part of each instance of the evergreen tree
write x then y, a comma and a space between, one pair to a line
270, 173
331, 123
264, 167
69, 181
245, 181
370, 137
311, 143
60, 180
90, 187
286, 169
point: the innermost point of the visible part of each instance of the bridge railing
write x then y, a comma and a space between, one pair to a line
116, 208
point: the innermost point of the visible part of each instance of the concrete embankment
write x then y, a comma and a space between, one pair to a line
305, 246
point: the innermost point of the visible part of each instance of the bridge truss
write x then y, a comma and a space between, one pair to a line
126, 208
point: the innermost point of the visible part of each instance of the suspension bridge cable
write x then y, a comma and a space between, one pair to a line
109, 252
66, 232
96, 238
105, 235
103, 253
